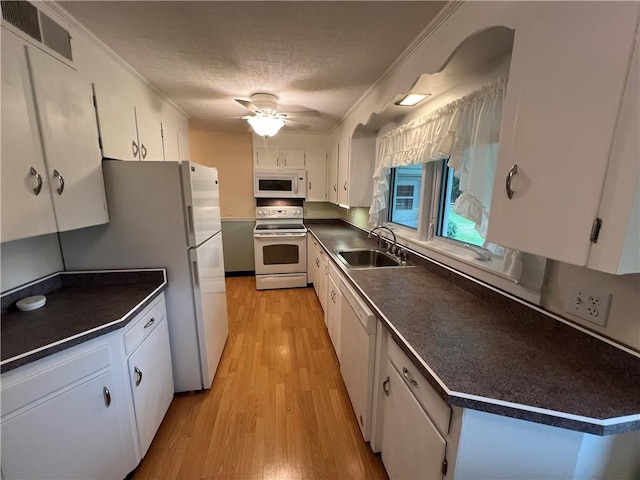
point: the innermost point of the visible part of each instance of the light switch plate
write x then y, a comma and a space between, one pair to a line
589, 303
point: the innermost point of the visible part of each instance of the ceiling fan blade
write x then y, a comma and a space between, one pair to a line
302, 114
247, 104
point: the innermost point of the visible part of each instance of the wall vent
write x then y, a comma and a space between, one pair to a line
26, 17
23, 16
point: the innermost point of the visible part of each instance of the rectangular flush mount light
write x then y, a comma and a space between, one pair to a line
411, 99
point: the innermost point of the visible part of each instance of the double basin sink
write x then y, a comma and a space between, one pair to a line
367, 258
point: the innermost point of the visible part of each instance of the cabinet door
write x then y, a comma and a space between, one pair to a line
323, 274
333, 314
563, 98
70, 138
267, 158
292, 158
184, 147
72, 435
332, 174
343, 171
117, 124
152, 383
170, 142
25, 212
316, 165
412, 447
149, 134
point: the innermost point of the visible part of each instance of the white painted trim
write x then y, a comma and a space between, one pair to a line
52, 7
438, 20
555, 413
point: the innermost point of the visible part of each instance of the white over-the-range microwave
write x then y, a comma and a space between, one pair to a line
280, 183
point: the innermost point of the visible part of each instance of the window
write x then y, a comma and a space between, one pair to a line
406, 188
450, 224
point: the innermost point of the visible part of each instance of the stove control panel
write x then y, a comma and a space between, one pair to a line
279, 212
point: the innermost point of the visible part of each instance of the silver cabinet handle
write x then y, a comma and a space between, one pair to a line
345, 186
138, 373
150, 322
335, 188
510, 175
317, 262
38, 177
60, 178
408, 377
285, 161
385, 386
309, 185
107, 396
144, 151
134, 148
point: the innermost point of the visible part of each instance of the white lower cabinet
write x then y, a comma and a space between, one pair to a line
67, 416
151, 378
74, 414
334, 301
412, 446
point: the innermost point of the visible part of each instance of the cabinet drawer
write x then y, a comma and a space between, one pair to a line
334, 273
144, 324
38, 380
435, 407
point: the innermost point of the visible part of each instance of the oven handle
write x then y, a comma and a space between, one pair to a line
281, 235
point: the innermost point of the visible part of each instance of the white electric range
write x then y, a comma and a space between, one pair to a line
280, 244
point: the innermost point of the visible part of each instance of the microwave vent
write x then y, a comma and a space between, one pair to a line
26, 18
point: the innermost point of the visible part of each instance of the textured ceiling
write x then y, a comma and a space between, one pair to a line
313, 55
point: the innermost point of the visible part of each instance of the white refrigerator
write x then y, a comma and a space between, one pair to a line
166, 214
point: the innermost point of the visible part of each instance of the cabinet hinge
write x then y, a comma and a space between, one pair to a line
100, 143
445, 467
95, 102
595, 230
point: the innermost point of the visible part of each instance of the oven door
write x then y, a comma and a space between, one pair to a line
281, 253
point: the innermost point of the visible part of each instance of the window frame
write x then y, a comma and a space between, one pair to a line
451, 254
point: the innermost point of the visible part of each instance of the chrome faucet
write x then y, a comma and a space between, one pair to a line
394, 249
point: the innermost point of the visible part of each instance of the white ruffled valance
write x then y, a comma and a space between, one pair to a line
467, 132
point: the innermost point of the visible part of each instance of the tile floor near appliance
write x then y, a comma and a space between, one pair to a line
278, 407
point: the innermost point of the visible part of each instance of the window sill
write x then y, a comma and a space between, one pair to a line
463, 261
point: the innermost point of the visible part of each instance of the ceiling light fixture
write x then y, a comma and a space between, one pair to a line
411, 99
265, 125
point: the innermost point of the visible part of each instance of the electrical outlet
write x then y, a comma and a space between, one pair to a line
589, 303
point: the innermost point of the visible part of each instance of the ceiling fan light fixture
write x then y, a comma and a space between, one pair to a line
265, 126
412, 99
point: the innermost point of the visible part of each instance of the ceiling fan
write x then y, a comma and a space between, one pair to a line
266, 120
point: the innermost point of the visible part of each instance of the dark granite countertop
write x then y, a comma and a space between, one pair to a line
492, 353
80, 306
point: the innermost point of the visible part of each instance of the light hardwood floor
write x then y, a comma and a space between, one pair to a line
277, 409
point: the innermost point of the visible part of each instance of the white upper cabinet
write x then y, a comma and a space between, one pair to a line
568, 72
316, 165
332, 174
127, 131
117, 124
64, 101
356, 164
149, 134
266, 157
27, 209
279, 158
184, 147
617, 249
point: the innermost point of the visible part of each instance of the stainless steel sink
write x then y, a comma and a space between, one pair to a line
367, 258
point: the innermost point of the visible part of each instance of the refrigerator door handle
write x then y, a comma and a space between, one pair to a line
190, 218
196, 275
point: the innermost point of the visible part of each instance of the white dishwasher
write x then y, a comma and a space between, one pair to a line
357, 349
